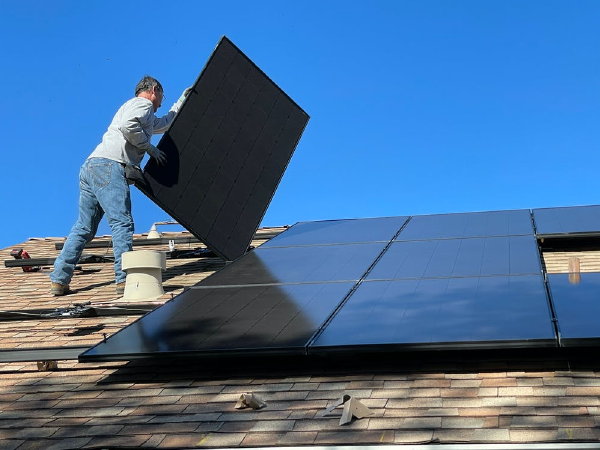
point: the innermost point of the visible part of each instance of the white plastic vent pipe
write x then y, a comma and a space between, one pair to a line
144, 274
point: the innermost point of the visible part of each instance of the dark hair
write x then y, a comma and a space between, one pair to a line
146, 84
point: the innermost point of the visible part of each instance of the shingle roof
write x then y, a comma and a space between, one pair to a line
185, 403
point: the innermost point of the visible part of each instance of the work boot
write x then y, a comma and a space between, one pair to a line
58, 289
120, 288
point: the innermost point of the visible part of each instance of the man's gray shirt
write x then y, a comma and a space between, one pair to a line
128, 135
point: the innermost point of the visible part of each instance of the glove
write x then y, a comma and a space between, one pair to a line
157, 154
134, 175
187, 91
177, 105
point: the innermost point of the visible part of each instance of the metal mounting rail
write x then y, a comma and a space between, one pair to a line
85, 259
41, 354
95, 259
163, 241
79, 310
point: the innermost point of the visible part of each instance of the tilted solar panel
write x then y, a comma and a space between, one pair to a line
226, 152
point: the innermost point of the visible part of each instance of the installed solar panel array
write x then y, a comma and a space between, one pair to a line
446, 281
441, 281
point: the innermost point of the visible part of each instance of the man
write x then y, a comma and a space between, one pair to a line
103, 187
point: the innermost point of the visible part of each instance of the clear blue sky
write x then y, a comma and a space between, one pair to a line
416, 106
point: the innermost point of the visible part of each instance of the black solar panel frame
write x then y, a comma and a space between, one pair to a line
221, 197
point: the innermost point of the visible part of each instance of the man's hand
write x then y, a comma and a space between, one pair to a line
177, 105
157, 154
185, 93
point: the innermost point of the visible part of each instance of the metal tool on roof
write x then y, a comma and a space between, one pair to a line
77, 310
19, 253
352, 408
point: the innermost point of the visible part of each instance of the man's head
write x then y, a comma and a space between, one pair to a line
151, 89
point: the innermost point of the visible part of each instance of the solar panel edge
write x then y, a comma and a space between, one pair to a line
318, 350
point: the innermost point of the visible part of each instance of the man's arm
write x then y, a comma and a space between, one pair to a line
162, 123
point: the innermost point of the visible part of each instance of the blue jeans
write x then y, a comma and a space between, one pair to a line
103, 189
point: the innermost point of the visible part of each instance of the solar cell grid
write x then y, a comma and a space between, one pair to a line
310, 264
338, 232
462, 225
222, 320
509, 255
449, 313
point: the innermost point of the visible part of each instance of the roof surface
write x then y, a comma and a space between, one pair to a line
184, 403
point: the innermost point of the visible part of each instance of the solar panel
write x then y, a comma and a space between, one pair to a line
223, 321
577, 307
298, 265
462, 225
346, 284
506, 255
226, 152
338, 232
568, 220
442, 313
